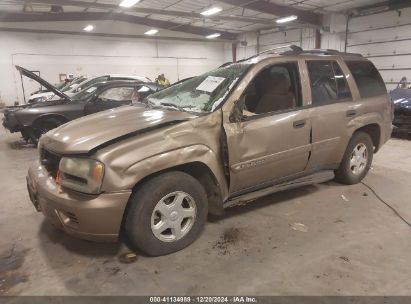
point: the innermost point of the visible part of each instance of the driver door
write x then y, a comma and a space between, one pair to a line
110, 98
271, 141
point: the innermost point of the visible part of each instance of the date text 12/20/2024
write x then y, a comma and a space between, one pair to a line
199, 299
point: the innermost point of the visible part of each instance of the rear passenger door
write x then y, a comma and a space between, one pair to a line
332, 108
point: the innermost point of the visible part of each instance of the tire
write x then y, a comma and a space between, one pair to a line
43, 126
355, 163
153, 204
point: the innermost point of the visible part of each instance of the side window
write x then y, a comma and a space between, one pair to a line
90, 82
140, 92
275, 88
328, 83
117, 94
368, 79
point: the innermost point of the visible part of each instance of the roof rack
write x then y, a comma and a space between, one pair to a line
320, 52
296, 50
292, 47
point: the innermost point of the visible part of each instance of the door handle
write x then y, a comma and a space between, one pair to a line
351, 113
299, 123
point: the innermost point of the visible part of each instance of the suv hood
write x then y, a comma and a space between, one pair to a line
92, 132
42, 82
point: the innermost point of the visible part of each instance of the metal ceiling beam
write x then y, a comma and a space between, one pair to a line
38, 31
88, 16
150, 11
278, 10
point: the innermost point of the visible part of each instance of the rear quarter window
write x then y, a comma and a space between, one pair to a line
368, 79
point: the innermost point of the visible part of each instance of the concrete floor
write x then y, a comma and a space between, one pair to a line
350, 244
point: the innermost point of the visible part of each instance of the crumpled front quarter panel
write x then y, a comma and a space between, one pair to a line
196, 140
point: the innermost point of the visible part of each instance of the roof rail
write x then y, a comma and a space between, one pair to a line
292, 47
296, 50
320, 52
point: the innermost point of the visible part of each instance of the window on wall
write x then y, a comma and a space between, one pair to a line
367, 77
328, 82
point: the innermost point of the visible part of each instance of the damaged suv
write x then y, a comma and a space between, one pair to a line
153, 172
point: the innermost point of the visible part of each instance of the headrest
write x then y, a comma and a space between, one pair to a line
278, 83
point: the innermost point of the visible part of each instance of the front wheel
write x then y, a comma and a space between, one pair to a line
167, 213
357, 159
43, 127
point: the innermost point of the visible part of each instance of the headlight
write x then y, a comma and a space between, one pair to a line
81, 174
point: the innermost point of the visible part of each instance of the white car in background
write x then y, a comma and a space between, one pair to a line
77, 86
48, 95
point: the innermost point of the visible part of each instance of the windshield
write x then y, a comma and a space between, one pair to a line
86, 93
73, 83
202, 93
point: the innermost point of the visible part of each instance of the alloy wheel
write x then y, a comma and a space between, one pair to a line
359, 159
173, 216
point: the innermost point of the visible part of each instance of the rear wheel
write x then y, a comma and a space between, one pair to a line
167, 213
357, 159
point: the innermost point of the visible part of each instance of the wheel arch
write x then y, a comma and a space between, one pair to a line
201, 172
374, 131
44, 117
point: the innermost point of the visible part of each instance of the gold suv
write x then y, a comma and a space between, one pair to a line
153, 171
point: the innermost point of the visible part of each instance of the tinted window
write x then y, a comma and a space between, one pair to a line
368, 79
276, 88
328, 83
117, 94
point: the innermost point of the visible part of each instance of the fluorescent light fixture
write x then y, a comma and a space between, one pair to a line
89, 28
287, 19
211, 11
151, 32
212, 36
128, 3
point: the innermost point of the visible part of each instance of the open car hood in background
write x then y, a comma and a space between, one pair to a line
42, 82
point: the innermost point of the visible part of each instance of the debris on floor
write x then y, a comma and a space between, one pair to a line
344, 198
299, 227
10, 262
127, 258
345, 259
230, 237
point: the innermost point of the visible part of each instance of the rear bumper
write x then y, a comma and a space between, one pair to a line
90, 217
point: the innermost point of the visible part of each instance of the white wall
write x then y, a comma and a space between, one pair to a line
384, 38
54, 54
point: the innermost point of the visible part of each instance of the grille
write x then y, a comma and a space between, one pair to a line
50, 161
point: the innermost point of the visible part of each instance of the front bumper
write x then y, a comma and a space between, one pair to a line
10, 122
402, 124
90, 217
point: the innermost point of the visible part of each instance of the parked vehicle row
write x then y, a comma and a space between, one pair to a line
100, 94
154, 170
78, 84
402, 113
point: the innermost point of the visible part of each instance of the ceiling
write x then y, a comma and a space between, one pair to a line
237, 16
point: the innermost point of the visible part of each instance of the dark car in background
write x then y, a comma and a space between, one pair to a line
33, 120
401, 98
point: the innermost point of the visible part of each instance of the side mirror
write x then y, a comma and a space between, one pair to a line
237, 114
